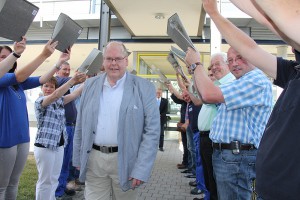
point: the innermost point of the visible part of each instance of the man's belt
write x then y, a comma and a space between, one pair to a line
233, 146
70, 124
204, 133
105, 149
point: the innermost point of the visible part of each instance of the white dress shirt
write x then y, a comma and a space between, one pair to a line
108, 117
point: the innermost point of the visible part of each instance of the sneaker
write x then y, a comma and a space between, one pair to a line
70, 192
193, 183
196, 191
73, 186
64, 197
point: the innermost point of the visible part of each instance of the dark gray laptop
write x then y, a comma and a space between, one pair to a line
92, 64
178, 34
66, 32
16, 17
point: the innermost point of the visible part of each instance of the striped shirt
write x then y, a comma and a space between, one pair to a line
247, 107
50, 123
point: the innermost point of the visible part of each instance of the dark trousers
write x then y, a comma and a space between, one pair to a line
162, 135
64, 174
206, 152
185, 149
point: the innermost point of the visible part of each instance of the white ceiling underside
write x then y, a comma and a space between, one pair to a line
138, 17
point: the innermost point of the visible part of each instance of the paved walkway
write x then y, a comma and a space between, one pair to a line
166, 181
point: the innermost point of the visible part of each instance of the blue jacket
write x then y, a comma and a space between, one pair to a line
14, 125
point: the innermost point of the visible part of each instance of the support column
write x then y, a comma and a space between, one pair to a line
215, 36
104, 30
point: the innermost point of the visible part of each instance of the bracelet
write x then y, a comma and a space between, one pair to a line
57, 67
16, 55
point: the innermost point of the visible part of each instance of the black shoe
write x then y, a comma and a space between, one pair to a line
79, 183
196, 191
161, 149
181, 166
64, 197
186, 171
193, 183
70, 192
198, 198
190, 176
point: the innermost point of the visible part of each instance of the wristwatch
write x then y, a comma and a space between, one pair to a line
194, 65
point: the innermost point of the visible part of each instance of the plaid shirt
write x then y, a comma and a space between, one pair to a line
247, 107
51, 123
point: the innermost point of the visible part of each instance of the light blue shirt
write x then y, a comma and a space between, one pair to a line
108, 117
247, 107
208, 112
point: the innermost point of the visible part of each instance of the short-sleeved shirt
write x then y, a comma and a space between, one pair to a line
206, 116
278, 156
14, 125
50, 123
247, 107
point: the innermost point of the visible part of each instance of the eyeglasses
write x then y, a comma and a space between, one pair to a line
236, 59
117, 59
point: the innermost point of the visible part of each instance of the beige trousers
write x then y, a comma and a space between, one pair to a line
102, 180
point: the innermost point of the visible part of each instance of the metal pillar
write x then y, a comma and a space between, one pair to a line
104, 28
215, 36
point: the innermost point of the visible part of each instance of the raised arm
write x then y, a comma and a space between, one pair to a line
240, 41
23, 73
285, 15
174, 91
59, 92
197, 101
208, 91
73, 95
254, 10
63, 58
8, 62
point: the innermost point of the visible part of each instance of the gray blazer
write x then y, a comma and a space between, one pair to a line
138, 128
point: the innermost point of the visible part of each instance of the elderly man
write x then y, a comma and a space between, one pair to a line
218, 72
278, 159
245, 105
117, 131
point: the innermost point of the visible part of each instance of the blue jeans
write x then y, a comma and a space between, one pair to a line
199, 167
234, 173
191, 148
64, 174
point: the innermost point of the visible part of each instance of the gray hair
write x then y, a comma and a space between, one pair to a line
116, 43
220, 54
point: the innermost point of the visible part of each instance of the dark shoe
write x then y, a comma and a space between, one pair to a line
187, 171
78, 182
64, 197
193, 183
196, 191
70, 192
198, 198
190, 176
161, 149
181, 166
71, 185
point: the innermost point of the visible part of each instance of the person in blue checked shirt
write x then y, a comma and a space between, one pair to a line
245, 106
